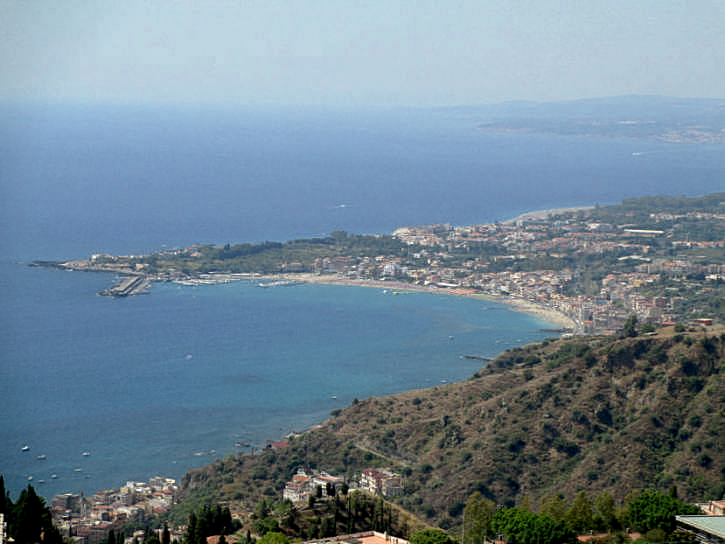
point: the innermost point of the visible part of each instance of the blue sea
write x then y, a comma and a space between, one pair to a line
157, 384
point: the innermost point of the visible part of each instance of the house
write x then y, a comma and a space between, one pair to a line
297, 490
369, 537
382, 482
706, 529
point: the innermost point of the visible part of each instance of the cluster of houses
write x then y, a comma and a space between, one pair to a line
321, 484
88, 519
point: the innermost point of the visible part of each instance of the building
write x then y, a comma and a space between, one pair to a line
706, 529
713, 508
383, 482
369, 537
297, 490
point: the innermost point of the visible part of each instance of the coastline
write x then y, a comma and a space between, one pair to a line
543, 214
559, 319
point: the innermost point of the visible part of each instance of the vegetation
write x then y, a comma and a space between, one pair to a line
272, 257
28, 519
572, 425
209, 521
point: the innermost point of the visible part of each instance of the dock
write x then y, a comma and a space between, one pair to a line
134, 285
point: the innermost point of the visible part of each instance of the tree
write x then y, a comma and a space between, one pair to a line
111, 537
630, 327
165, 535
604, 505
520, 527
477, 516
554, 507
30, 518
261, 511
191, 537
652, 510
273, 538
5, 503
580, 516
430, 536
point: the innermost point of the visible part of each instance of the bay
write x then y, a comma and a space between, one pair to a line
154, 384
160, 383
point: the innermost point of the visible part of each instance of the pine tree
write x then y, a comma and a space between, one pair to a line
5, 503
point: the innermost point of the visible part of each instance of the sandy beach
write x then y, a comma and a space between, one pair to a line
559, 319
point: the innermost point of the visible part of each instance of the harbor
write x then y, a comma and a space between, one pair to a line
134, 285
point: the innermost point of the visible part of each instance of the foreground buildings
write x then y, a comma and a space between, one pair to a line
89, 519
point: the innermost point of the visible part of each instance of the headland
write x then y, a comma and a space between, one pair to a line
586, 269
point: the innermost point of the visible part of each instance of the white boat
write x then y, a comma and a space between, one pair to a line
25, 448
41, 457
86, 454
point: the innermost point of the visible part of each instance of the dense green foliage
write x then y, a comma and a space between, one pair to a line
431, 536
29, 520
558, 522
273, 257
651, 510
209, 521
521, 527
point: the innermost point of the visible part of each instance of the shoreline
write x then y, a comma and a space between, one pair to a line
540, 311
543, 214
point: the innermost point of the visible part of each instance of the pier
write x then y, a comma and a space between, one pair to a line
135, 285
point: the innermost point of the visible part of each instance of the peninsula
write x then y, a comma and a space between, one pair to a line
587, 269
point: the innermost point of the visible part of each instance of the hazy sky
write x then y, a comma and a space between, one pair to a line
359, 53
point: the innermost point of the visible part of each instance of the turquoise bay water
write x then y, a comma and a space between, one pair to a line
152, 384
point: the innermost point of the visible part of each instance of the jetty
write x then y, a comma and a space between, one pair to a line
134, 285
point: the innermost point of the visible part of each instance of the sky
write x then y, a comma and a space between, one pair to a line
355, 53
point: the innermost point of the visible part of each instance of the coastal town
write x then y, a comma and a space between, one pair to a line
586, 270
88, 519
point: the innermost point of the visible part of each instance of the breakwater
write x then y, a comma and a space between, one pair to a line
135, 285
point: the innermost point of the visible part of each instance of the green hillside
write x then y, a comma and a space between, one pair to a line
589, 414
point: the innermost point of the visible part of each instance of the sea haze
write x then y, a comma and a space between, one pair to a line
152, 384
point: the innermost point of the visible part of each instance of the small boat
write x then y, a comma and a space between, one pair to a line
54, 476
41, 457
25, 448
79, 470
86, 454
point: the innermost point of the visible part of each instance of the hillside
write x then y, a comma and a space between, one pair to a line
592, 413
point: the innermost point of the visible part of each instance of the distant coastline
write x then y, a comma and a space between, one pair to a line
543, 214
137, 283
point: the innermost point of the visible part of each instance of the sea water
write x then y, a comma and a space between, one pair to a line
156, 384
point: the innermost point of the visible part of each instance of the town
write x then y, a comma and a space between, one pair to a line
585, 269
89, 519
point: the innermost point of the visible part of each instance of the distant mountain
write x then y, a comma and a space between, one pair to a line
678, 120
595, 414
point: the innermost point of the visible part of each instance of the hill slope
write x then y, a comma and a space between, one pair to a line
594, 414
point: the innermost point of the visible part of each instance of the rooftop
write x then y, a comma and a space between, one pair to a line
713, 525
